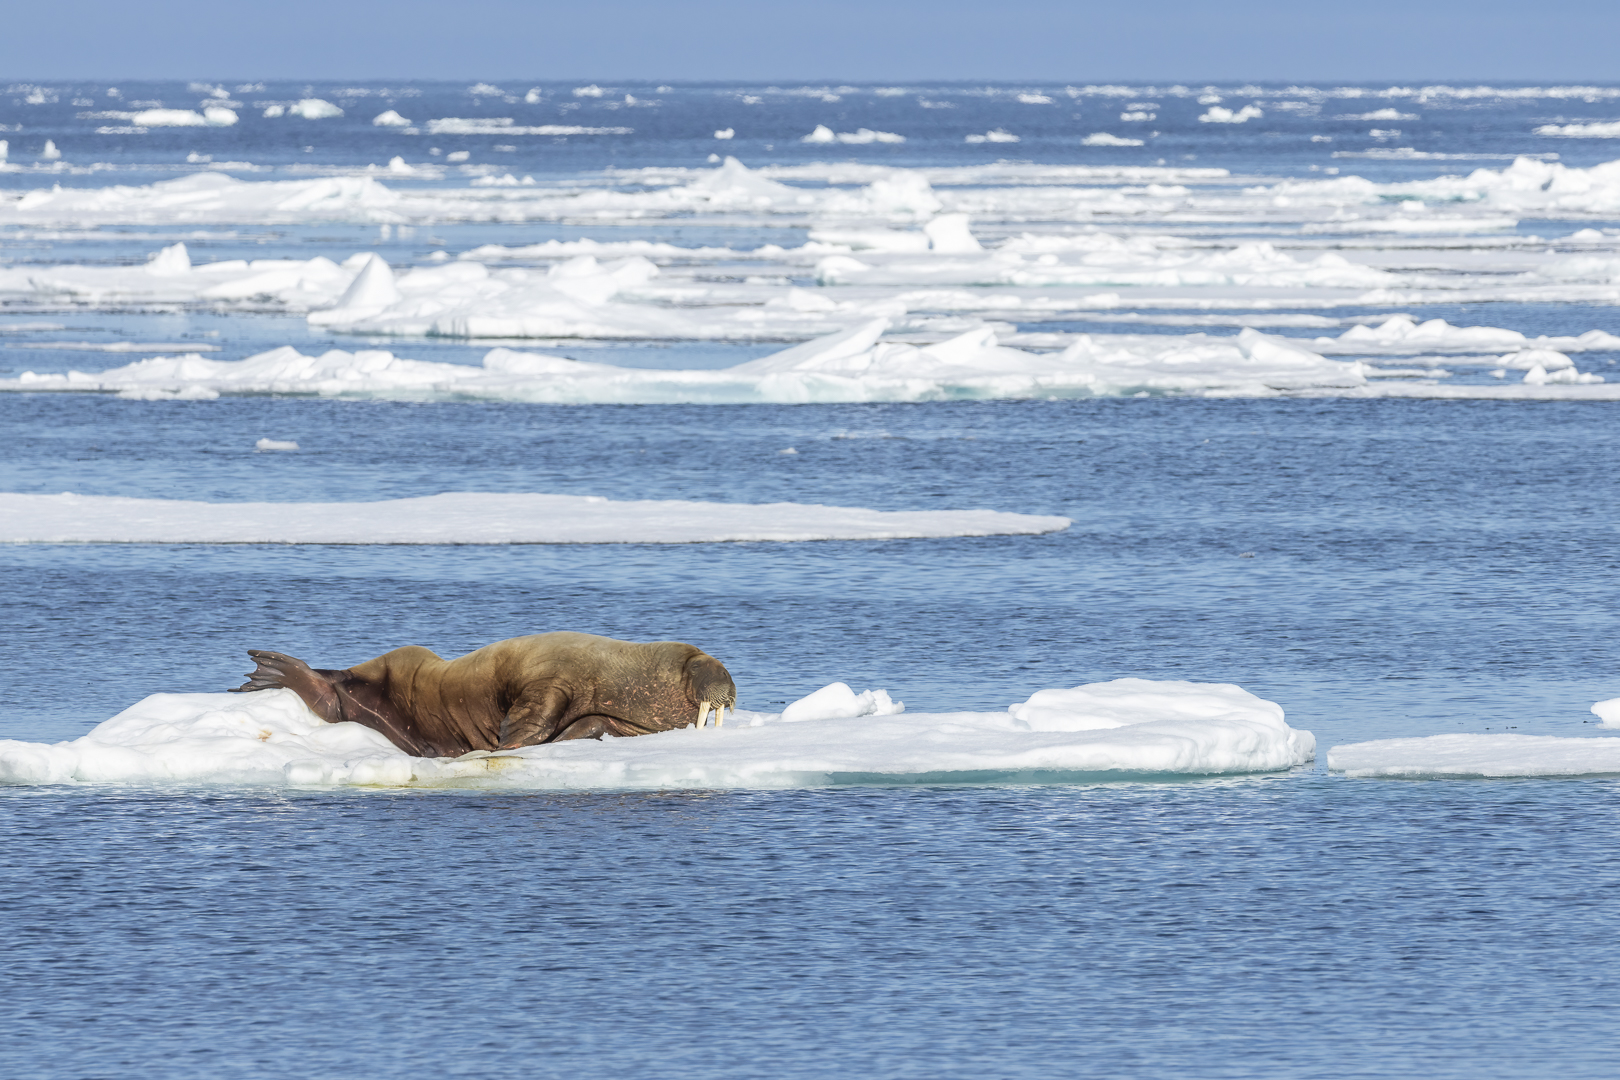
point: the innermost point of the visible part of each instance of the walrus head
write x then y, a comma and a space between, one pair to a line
712, 686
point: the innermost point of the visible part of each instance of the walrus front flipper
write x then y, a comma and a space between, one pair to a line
280, 671
533, 718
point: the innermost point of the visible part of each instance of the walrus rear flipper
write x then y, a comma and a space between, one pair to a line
280, 671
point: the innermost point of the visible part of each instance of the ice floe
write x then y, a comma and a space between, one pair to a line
1602, 130
1402, 334
849, 365
860, 137
479, 518
1125, 729
1473, 755
1219, 115
314, 109
1003, 191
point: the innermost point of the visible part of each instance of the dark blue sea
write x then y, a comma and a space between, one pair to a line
1380, 568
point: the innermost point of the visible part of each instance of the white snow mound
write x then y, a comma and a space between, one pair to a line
269, 738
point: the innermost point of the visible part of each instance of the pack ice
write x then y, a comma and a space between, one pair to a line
1484, 199
852, 365
1128, 728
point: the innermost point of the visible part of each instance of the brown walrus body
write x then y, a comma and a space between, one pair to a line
519, 692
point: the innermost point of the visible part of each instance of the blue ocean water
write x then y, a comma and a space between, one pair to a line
1380, 568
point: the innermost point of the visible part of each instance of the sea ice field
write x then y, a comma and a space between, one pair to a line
1162, 536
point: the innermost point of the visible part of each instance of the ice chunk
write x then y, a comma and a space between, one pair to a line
168, 118
1601, 130
725, 133
1608, 712
996, 136
269, 738
390, 119
1103, 138
172, 261
50, 152
372, 290
948, 233
219, 116
275, 444
477, 518
837, 700
314, 109
1218, 115
860, 137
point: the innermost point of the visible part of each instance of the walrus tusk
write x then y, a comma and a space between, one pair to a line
719, 715
703, 713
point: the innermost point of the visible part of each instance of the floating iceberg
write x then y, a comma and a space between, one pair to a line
1129, 728
1478, 755
479, 518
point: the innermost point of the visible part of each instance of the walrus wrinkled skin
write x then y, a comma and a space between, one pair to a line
519, 692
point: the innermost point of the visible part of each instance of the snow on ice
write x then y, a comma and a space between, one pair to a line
1128, 728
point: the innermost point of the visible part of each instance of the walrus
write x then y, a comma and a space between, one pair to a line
519, 692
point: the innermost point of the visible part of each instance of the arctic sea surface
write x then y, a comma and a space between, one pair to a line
970, 394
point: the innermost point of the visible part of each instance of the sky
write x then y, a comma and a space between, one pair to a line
1561, 41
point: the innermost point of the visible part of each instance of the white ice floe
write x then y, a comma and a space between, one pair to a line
457, 125
996, 136
1478, 755
480, 518
1218, 115
1602, 130
1009, 192
211, 116
390, 119
314, 109
1607, 712
1103, 138
860, 137
1404, 335
1126, 729
849, 365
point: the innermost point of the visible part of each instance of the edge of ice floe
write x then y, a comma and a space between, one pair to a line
1125, 730
1477, 756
